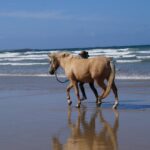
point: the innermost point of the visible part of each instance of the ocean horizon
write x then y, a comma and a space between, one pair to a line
132, 62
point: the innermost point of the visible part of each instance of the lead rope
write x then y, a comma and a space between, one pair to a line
60, 80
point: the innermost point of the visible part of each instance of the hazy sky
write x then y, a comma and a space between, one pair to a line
73, 23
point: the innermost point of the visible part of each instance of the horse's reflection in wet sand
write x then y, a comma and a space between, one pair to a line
86, 135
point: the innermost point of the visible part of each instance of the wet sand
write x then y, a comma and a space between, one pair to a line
34, 116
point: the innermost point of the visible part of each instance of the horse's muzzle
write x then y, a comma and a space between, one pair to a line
51, 71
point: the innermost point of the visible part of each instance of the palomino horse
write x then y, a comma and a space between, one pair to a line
87, 71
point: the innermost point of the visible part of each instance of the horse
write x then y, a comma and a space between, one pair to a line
96, 69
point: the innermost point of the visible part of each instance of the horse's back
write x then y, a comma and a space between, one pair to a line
88, 69
99, 67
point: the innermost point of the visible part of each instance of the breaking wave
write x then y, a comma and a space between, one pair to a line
131, 62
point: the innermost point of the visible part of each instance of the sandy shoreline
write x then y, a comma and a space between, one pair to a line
35, 115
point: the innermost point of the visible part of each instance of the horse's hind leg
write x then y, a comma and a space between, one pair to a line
115, 91
68, 93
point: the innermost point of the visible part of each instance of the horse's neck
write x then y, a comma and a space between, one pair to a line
64, 62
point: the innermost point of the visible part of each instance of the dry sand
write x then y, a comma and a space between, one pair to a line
34, 116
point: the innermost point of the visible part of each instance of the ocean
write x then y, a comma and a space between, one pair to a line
132, 62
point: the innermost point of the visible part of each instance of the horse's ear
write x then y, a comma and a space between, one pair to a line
65, 54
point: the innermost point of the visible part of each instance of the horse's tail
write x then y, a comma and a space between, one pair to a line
110, 79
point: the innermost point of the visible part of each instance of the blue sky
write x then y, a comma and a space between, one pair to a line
69, 24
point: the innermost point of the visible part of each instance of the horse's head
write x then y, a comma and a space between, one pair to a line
54, 63
55, 59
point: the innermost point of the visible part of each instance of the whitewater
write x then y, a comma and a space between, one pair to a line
132, 62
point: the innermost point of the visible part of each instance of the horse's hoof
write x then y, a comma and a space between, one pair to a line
69, 103
98, 104
115, 106
78, 106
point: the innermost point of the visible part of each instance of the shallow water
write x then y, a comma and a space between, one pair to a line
35, 116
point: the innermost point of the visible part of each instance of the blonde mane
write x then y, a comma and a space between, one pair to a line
68, 54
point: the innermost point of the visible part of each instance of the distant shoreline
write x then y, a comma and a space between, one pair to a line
75, 48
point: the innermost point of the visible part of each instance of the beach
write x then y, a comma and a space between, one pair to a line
48, 47
35, 116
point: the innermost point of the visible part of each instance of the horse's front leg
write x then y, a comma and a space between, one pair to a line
75, 85
68, 93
